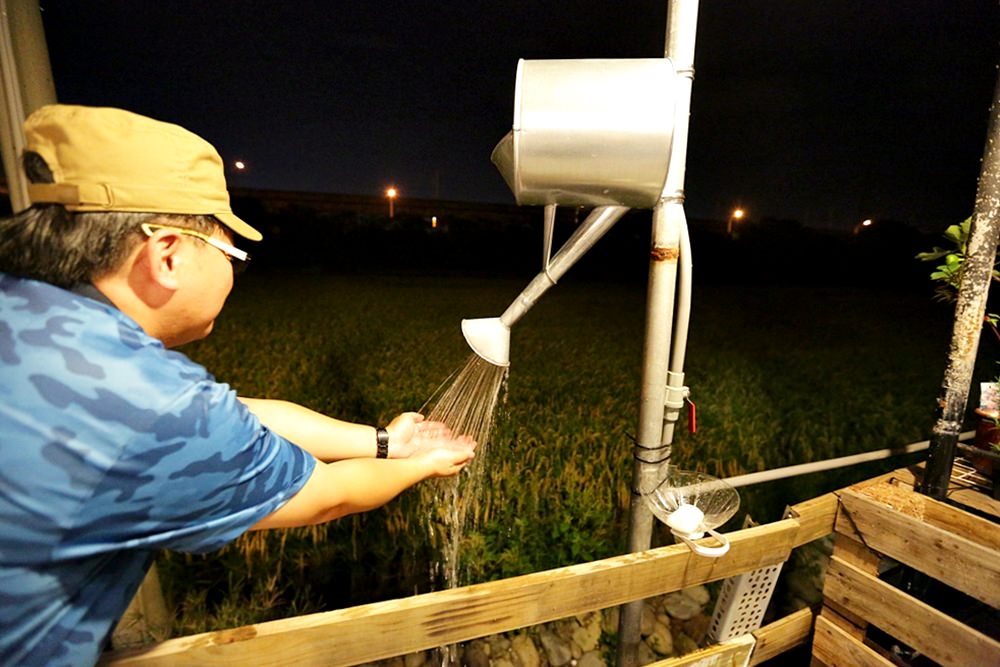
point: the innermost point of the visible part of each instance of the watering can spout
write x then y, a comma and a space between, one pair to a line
488, 337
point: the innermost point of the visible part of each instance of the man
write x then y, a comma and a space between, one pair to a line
111, 445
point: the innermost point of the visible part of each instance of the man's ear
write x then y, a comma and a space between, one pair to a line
160, 258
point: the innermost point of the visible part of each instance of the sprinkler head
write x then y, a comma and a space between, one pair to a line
489, 338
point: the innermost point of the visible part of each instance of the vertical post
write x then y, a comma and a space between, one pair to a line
977, 272
25, 85
654, 435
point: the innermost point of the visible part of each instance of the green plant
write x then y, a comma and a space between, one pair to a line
949, 274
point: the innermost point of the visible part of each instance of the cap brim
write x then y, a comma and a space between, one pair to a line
243, 229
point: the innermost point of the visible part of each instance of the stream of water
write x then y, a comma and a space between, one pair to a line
467, 403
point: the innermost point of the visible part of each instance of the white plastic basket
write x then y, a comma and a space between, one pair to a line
742, 603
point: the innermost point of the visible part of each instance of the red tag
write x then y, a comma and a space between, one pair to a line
692, 416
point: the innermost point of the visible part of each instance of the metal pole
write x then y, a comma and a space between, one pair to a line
970, 308
25, 85
669, 227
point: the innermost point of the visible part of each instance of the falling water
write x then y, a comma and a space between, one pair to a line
467, 402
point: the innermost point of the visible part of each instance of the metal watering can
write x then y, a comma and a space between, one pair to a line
586, 133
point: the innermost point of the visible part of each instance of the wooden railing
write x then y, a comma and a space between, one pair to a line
406, 625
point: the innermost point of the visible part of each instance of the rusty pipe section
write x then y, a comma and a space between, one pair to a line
489, 337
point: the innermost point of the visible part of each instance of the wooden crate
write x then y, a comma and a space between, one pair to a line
884, 528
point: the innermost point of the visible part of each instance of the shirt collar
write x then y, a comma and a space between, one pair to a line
91, 292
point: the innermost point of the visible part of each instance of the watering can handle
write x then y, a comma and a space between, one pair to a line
702, 550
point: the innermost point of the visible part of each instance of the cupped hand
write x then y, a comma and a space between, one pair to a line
448, 459
410, 434
401, 431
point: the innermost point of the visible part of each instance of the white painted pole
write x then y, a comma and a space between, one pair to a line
659, 363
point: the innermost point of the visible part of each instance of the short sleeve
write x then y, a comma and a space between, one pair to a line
204, 471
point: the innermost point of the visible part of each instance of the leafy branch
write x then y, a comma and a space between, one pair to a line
949, 274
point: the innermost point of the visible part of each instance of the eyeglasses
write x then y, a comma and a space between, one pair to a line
232, 253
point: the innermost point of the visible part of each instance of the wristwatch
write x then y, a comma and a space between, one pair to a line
381, 443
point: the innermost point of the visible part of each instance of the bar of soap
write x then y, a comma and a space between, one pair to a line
686, 519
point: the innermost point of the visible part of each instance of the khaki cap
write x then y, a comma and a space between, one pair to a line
106, 159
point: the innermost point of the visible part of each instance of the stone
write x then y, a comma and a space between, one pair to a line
699, 594
502, 662
415, 659
564, 628
525, 650
648, 620
587, 635
499, 647
475, 654
681, 606
610, 620
684, 644
696, 627
646, 654
591, 659
557, 650
660, 640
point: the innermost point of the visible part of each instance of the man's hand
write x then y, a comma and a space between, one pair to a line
402, 429
360, 484
409, 435
449, 458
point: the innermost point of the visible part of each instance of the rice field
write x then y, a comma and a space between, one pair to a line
780, 375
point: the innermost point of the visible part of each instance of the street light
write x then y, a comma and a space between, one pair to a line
391, 194
735, 216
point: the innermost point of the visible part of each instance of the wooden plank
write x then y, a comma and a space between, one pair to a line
958, 491
832, 647
936, 513
856, 553
933, 633
975, 500
856, 626
952, 559
847, 546
384, 629
782, 635
815, 516
971, 527
733, 652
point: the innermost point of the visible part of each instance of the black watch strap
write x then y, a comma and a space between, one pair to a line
381, 443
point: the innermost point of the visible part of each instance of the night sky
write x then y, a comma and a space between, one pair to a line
826, 112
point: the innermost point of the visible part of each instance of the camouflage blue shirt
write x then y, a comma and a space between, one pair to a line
111, 447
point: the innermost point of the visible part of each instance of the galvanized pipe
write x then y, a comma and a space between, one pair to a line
669, 231
677, 392
590, 231
970, 308
489, 337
